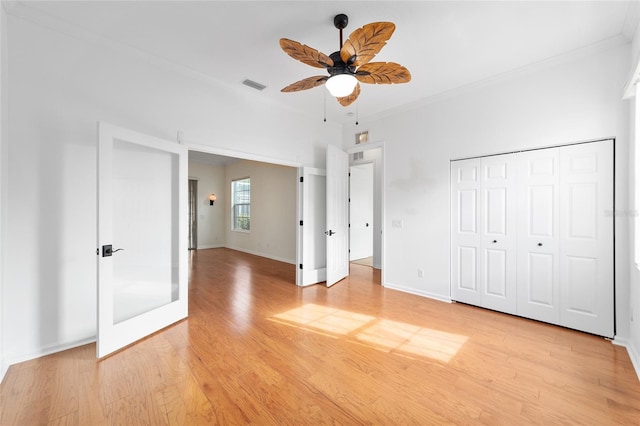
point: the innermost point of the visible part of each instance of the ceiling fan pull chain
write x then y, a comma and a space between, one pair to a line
325, 105
357, 102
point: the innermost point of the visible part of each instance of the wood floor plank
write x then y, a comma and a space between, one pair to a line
256, 349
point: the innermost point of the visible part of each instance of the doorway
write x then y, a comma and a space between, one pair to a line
361, 214
365, 207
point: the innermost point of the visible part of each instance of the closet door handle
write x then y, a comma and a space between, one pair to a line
495, 241
539, 244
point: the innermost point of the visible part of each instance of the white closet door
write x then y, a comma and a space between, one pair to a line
465, 231
538, 237
498, 233
586, 250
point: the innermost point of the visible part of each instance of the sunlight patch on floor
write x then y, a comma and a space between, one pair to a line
379, 333
324, 318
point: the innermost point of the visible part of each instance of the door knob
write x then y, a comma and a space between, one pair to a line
107, 250
367, 225
329, 232
539, 244
495, 241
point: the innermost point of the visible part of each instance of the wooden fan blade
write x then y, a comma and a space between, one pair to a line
365, 43
305, 54
307, 83
348, 100
383, 73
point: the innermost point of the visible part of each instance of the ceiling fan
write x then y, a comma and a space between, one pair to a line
349, 66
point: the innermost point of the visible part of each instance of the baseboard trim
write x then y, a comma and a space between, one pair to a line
410, 290
268, 256
3, 370
210, 247
633, 353
44, 352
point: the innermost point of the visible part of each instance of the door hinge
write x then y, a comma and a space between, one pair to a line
301, 179
300, 223
301, 266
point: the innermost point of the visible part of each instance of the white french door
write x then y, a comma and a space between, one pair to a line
142, 236
337, 229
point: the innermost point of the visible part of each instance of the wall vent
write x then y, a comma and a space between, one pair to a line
358, 156
253, 84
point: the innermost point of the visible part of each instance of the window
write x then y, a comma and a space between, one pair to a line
241, 204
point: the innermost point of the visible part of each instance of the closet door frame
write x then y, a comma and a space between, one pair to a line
551, 293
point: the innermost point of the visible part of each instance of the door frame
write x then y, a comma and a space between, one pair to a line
193, 146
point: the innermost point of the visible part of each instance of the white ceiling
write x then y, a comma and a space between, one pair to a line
445, 45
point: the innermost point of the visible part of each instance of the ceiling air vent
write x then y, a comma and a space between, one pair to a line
253, 84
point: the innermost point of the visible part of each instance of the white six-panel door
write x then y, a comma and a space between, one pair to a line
483, 232
532, 235
538, 210
465, 231
498, 250
586, 235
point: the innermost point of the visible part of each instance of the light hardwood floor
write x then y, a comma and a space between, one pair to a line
256, 349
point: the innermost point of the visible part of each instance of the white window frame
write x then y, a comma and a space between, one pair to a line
235, 204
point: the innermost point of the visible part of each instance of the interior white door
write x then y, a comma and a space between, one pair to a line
466, 241
142, 236
586, 226
337, 229
538, 235
498, 228
312, 210
361, 211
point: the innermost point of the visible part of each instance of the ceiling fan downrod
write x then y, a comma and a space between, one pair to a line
340, 22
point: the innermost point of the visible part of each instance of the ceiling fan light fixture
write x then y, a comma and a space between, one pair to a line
341, 85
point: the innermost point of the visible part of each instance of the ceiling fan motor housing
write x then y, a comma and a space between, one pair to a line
339, 67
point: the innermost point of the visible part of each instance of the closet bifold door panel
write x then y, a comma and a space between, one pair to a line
483, 203
498, 232
538, 235
465, 231
532, 234
586, 237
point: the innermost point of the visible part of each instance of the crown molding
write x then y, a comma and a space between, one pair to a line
595, 48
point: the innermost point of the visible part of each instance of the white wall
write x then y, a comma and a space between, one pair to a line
573, 99
273, 210
633, 341
211, 219
3, 179
61, 85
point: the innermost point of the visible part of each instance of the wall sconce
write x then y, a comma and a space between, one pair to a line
212, 198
